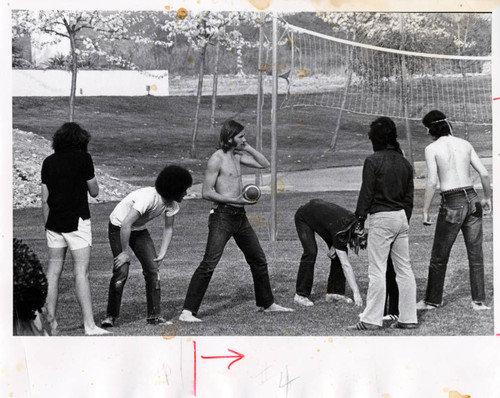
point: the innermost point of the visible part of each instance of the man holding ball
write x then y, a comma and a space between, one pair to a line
227, 219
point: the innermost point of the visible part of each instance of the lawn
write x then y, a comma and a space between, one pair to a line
229, 307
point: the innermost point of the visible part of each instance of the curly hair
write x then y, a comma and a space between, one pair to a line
172, 182
30, 283
437, 124
70, 136
383, 134
230, 128
353, 235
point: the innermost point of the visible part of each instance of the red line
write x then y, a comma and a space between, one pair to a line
194, 344
497, 98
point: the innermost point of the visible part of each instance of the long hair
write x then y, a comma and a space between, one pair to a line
353, 236
383, 134
230, 128
437, 124
172, 182
70, 136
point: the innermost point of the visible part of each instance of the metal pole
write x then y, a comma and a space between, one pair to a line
260, 100
274, 140
404, 93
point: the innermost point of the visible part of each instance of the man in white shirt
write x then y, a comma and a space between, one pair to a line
127, 229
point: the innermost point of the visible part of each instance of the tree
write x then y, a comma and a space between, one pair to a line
76, 27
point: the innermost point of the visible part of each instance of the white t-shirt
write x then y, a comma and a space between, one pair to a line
147, 202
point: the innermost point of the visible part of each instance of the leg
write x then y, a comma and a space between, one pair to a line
472, 230
143, 247
81, 259
220, 231
336, 279
447, 226
400, 254
392, 298
305, 275
54, 270
249, 244
119, 276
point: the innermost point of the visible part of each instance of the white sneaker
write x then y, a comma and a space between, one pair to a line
479, 306
187, 316
390, 317
422, 305
277, 308
337, 297
301, 300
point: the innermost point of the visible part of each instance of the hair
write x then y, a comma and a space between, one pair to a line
70, 136
383, 134
30, 286
172, 182
230, 128
437, 124
353, 235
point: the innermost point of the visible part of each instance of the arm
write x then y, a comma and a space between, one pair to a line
432, 180
349, 275
408, 199
45, 206
252, 158
168, 231
208, 191
125, 231
485, 180
366, 192
93, 187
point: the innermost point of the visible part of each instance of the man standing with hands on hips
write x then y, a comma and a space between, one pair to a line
223, 186
448, 161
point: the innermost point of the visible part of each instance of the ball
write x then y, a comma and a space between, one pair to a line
251, 192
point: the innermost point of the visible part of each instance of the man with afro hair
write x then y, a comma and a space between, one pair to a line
127, 230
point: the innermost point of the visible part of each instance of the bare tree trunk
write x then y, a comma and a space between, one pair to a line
198, 100
74, 71
214, 86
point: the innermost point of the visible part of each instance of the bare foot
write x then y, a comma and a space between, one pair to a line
95, 331
337, 297
187, 316
277, 308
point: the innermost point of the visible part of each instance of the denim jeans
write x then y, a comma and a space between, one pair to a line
223, 223
460, 210
388, 235
143, 247
305, 276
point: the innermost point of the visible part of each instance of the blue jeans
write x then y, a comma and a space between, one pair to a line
460, 210
223, 223
305, 276
143, 247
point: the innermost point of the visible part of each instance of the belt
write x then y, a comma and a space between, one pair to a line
462, 190
225, 208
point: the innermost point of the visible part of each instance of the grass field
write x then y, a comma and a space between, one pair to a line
229, 306
134, 138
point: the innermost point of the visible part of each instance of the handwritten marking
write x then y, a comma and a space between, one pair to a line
497, 98
237, 355
288, 381
264, 377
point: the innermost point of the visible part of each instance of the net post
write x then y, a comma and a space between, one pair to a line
274, 141
260, 100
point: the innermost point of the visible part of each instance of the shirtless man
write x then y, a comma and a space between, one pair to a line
227, 219
448, 161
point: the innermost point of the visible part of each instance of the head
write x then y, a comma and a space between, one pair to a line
173, 182
383, 134
230, 129
437, 125
70, 136
353, 235
30, 286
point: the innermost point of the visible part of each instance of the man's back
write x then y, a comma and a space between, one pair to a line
452, 157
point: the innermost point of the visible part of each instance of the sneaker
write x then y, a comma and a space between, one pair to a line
479, 306
187, 316
337, 297
390, 317
301, 300
400, 325
158, 321
108, 322
277, 308
422, 305
364, 326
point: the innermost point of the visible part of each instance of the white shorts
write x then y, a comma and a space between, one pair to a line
75, 240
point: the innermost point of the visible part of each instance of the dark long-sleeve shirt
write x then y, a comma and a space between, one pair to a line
387, 184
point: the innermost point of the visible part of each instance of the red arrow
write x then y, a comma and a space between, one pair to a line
238, 356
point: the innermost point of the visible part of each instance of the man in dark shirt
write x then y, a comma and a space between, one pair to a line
387, 195
337, 227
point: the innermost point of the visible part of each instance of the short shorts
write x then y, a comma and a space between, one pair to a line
75, 240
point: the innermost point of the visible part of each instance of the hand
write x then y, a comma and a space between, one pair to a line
332, 253
486, 203
159, 259
242, 201
427, 219
358, 301
121, 259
